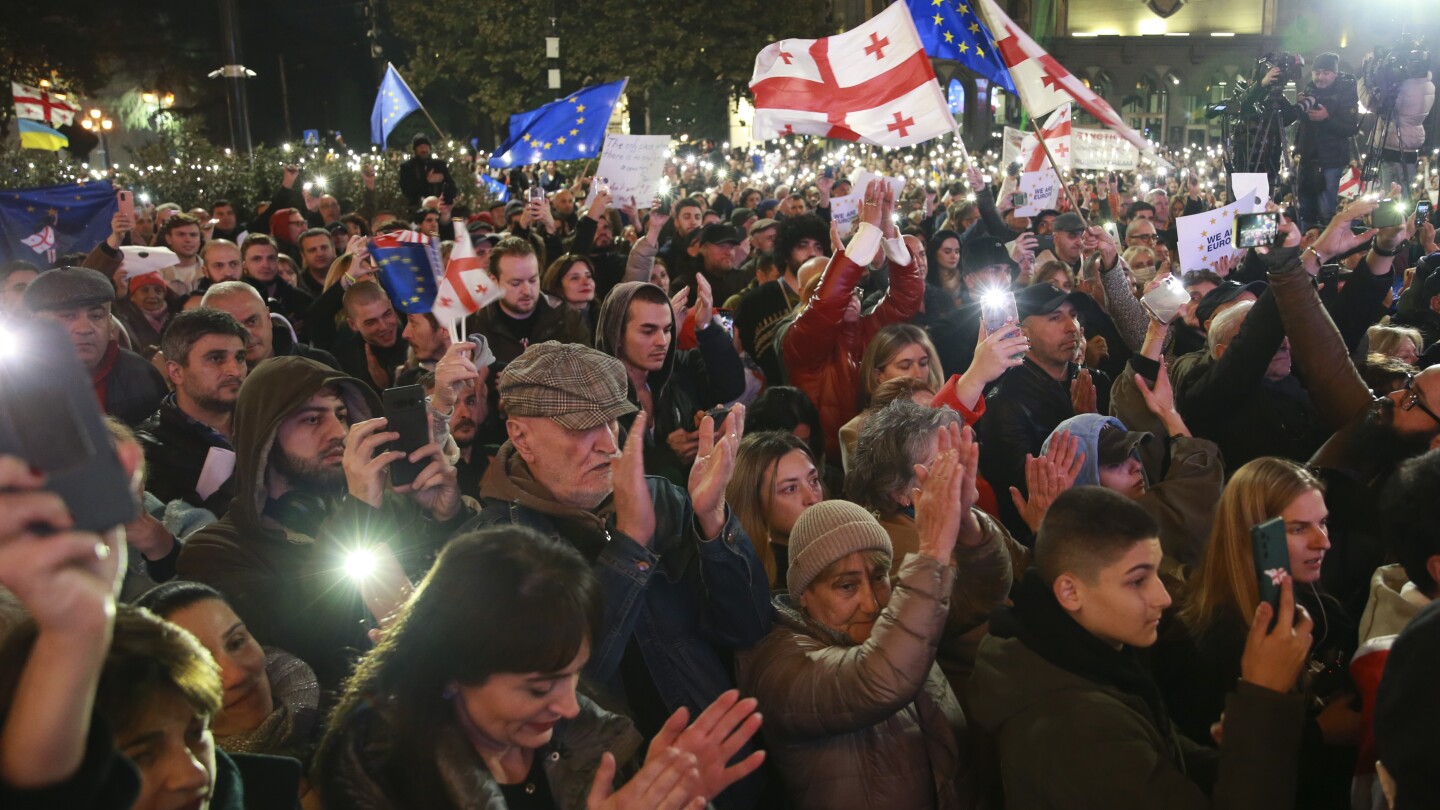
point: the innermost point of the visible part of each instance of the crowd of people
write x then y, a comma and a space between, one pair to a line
722, 507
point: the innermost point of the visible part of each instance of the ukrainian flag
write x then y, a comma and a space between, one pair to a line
39, 136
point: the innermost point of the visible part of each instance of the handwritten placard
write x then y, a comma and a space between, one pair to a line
633, 166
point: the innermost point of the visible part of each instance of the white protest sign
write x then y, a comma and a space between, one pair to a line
1101, 149
1205, 239
1258, 183
633, 166
1014, 145
1042, 190
862, 179
844, 211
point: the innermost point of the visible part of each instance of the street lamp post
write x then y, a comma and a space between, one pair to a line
100, 124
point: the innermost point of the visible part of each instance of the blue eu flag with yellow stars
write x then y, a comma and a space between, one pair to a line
39, 225
571, 128
392, 103
951, 29
409, 269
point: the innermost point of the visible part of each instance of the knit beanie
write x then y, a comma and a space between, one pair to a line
826, 532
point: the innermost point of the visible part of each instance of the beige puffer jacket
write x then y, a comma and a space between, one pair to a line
863, 726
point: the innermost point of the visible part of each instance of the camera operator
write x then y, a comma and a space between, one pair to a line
1396, 88
1328, 111
425, 176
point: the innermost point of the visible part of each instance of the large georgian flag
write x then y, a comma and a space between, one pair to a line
872, 84
1044, 84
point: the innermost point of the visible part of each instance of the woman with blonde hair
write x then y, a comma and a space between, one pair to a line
899, 350
1400, 342
776, 479
1198, 658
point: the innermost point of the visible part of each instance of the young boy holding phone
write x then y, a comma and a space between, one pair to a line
1059, 685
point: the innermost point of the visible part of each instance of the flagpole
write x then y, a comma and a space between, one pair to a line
443, 136
1040, 135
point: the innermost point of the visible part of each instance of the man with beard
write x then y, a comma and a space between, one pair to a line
459, 394
373, 350
312, 492
522, 317
260, 256
188, 454
595, 240
1357, 465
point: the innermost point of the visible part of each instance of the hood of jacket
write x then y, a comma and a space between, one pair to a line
1086, 429
610, 329
280, 225
273, 390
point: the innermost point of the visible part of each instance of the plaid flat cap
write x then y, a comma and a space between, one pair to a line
574, 385
68, 288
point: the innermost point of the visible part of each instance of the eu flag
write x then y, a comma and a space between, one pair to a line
497, 189
392, 103
409, 269
41, 224
951, 29
571, 128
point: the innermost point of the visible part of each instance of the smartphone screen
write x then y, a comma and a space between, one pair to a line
1019, 198
1422, 211
406, 414
997, 308
1272, 558
1256, 230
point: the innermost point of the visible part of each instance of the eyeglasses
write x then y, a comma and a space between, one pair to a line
1412, 399
1143, 237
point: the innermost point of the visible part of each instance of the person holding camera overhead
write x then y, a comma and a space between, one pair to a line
1396, 88
1329, 115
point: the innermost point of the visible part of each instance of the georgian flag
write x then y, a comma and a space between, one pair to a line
872, 84
1044, 84
1056, 130
39, 105
466, 286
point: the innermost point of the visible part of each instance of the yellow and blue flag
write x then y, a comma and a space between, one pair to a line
35, 135
409, 269
392, 103
571, 128
952, 30
41, 224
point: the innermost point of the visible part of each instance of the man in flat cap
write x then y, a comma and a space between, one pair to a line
682, 584
80, 300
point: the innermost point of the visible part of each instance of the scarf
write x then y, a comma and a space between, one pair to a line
1039, 621
99, 378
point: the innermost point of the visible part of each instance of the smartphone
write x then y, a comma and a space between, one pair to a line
126, 201
716, 414
1112, 230
1256, 230
727, 320
406, 414
1044, 242
1019, 198
535, 193
1422, 211
49, 418
1388, 215
1272, 558
829, 173
997, 308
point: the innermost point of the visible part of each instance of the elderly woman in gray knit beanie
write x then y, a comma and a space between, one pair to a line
857, 714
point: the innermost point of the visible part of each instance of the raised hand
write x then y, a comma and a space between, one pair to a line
704, 302
1082, 393
634, 509
870, 205
1044, 482
1064, 451
454, 373
1160, 399
1273, 657
365, 463
713, 739
710, 474
1337, 238
937, 505
668, 781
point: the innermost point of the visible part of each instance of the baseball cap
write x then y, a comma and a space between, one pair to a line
718, 233
577, 386
1228, 291
68, 288
1042, 299
1069, 222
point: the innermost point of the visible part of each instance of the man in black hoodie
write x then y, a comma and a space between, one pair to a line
674, 388
311, 491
